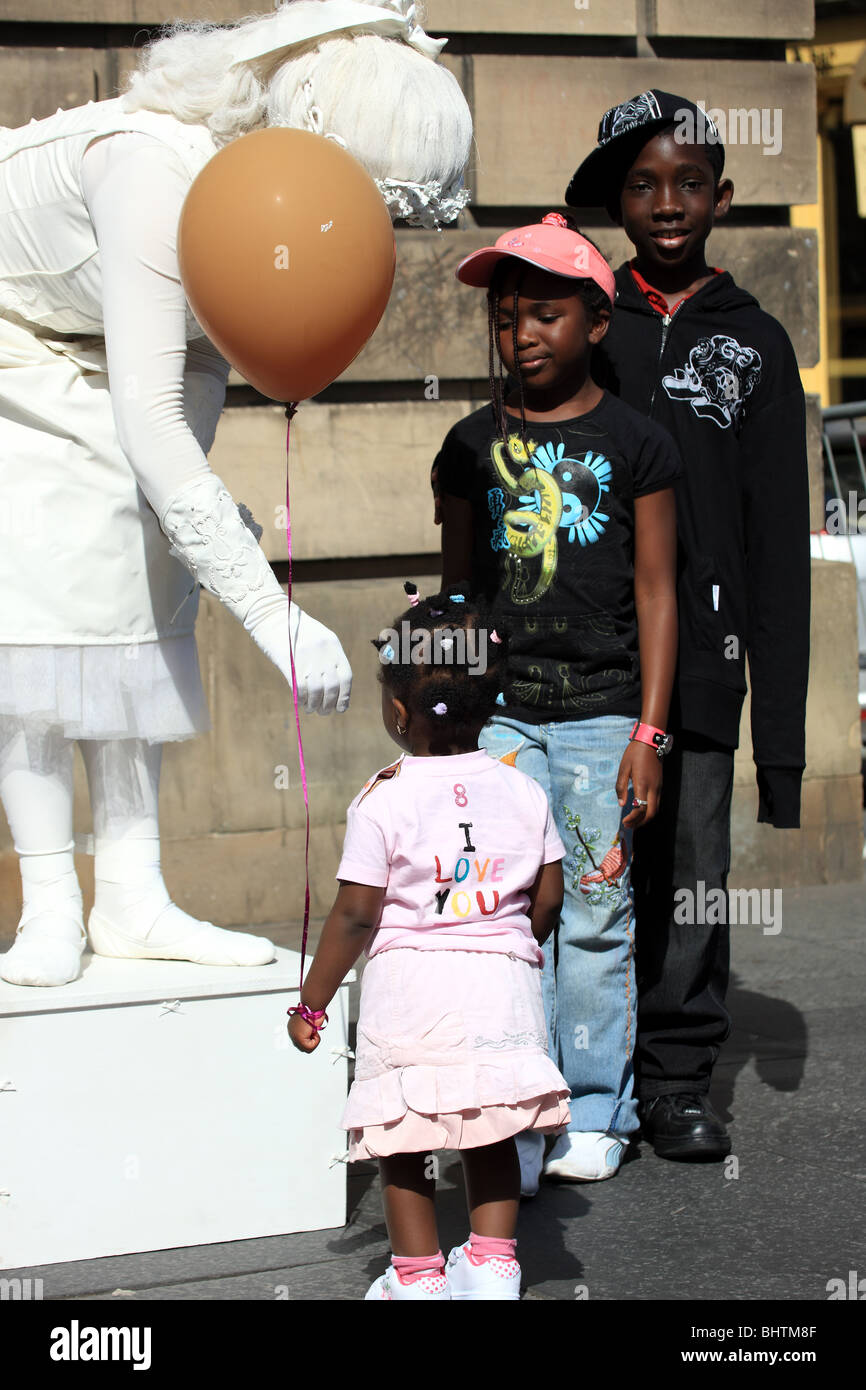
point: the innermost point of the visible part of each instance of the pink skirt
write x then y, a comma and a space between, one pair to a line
451, 1054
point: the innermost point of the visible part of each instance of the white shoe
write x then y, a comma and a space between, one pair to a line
493, 1278
430, 1288
530, 1152
586, 1157
47, 951
174, 935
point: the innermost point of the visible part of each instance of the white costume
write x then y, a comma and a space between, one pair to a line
109, 400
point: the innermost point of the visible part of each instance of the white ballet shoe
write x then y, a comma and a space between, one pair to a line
47, 950
174, 935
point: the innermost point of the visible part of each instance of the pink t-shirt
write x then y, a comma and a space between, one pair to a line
456, 843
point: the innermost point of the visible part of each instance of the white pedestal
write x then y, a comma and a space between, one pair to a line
153, 1104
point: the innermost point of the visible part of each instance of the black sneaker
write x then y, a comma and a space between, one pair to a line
684, 1126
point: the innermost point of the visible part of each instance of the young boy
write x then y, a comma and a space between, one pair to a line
694, 352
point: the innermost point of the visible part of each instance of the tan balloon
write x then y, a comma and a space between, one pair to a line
287, 257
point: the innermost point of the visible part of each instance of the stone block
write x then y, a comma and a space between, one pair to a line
359, 475
817, 512
828, 847
528, 145
743, 19
123, 11
34, 82
576, 18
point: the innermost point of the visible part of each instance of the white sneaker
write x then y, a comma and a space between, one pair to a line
530, 1152
493, 1278
586, 1157
430, 1288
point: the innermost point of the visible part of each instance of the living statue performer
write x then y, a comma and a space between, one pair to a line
109, 401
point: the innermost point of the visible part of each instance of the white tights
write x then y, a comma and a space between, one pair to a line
133, 914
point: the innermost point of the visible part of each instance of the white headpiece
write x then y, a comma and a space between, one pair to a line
420, 204
299, 23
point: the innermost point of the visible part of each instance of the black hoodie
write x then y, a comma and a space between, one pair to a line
720, 375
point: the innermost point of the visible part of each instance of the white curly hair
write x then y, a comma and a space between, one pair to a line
401, 114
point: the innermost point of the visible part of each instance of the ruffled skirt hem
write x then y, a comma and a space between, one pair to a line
464, 1129
144, 690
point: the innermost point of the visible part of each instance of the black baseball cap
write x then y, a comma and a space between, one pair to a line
622, 134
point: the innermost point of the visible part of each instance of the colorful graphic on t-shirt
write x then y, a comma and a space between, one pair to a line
529, 531
588, 479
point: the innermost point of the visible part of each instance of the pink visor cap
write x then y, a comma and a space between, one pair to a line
549, 244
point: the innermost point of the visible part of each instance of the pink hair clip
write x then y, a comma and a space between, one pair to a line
494, 637
441, 708
413, 594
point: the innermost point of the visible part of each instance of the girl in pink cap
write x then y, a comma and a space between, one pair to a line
557, 503
450, 880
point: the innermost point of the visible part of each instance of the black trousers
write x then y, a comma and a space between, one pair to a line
683, 961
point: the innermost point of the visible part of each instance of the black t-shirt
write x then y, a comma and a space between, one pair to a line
554, 549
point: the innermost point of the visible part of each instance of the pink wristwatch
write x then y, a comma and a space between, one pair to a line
656, 738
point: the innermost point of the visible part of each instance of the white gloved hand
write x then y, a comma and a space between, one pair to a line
209, 537
324, 675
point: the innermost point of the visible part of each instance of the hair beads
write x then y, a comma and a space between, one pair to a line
439, 659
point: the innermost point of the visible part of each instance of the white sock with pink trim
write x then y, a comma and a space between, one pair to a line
409, 1268
483, 1248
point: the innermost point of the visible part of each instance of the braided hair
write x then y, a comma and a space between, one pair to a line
454, 667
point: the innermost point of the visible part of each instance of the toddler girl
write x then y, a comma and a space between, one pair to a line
450, 880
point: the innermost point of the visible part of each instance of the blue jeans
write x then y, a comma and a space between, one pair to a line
590, 997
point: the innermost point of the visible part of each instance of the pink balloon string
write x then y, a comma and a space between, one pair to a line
291, 409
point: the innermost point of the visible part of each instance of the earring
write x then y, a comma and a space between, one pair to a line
400, 730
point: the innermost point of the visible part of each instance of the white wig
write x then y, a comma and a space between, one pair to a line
399, 112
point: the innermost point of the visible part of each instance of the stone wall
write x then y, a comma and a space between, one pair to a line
537, 78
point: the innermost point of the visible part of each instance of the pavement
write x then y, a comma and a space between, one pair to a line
779, 1220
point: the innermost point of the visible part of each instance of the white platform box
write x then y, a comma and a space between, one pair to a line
155, 1103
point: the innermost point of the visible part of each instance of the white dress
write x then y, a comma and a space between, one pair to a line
96, 616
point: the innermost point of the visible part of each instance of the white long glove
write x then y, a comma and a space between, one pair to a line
209, 537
